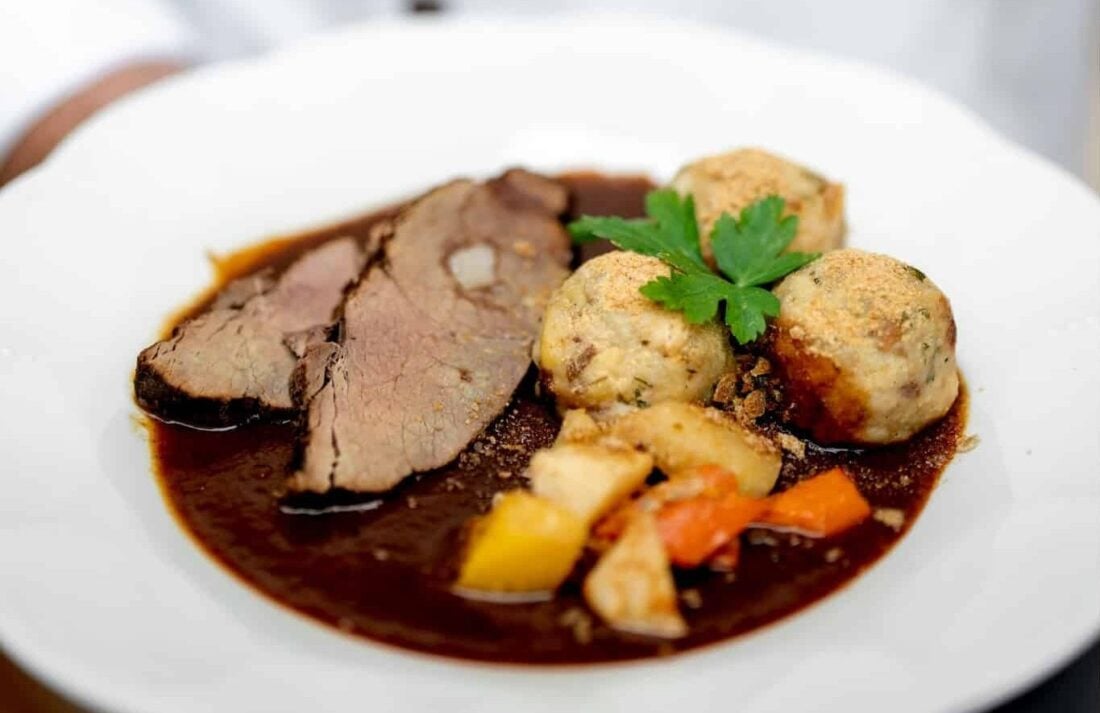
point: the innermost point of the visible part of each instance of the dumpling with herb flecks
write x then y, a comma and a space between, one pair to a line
865, 346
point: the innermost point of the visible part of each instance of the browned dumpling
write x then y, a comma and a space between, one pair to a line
729, 182
866, 345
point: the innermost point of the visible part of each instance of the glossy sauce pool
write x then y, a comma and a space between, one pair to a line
382, 568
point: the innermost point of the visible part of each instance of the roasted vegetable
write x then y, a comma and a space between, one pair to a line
682, 436
699, 511
631, 587
525, 544
694, 529
703, 481
587, 479
820, 506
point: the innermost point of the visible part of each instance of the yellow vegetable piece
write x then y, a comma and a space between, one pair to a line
587, 479
525, 544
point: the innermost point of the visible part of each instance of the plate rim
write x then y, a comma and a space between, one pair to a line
62, 677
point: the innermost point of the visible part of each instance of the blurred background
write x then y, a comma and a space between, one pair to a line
1030, 68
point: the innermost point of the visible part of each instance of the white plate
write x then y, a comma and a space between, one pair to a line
105, 597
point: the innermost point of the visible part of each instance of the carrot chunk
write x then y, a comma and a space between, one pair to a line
694, 529
820, 506
704, 481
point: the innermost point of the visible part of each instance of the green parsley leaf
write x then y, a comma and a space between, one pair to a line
675, 223
696, 295
745, 312
748, 251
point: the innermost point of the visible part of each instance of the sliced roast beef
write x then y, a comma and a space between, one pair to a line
233, 363
435, 337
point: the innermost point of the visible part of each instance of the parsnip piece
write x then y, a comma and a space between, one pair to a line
631, 587
683, 435
587, 479
525, 544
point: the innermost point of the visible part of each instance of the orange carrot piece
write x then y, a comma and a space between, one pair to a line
693, 529
709, 483
715, 481
820, 506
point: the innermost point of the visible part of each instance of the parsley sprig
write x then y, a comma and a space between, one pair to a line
748, 252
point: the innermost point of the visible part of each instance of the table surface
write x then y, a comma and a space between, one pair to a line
1074, 689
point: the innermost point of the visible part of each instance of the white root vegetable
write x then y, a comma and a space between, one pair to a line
681, 436
587, 479
631, 587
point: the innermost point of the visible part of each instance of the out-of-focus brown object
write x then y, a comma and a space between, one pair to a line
19, 693
50, 128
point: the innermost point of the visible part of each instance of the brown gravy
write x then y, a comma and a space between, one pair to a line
381, 568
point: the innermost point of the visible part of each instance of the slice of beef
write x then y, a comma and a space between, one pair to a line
436, 336
233, 363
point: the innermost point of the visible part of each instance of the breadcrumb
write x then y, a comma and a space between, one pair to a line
725, 391
968, 443
792, 444
580, 622
691, 598
891, 517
